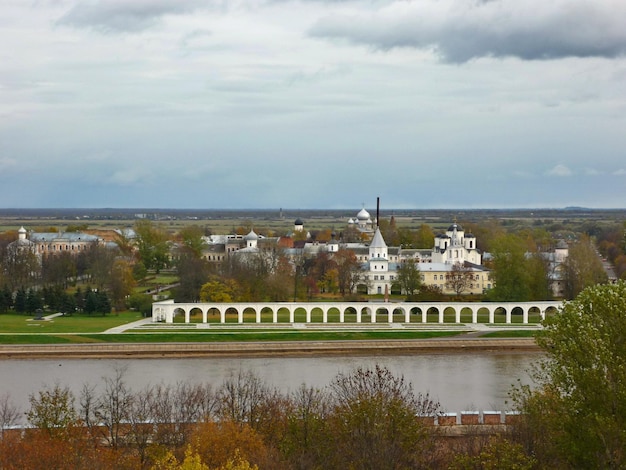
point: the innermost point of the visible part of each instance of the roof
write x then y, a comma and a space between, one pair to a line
62, 236
378, 241
363, 214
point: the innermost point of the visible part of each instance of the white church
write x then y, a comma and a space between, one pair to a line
450, 249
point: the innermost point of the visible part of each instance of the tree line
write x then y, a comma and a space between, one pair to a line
571, 417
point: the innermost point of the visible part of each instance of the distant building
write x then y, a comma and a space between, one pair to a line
45, 243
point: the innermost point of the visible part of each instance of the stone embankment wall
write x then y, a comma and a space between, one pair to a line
274, 348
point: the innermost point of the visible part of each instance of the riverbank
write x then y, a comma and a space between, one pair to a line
266, 349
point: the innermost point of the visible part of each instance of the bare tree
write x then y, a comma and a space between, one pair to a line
460, 278
9, 413
113, 407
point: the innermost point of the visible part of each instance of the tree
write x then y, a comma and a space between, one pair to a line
152, 246
348, 271
9, 413
499, 453
52, 410
510, 275
58, 269
100, 260
374, 423
409, 277
20, 267
192, 240
575, 416
219, 290
121, 283
460, 278
582, 268
192, 272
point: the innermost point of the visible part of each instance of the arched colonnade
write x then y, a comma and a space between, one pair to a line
359, 312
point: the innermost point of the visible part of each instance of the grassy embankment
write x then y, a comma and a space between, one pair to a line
22, 329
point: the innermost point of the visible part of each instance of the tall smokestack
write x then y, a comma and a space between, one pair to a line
378, 212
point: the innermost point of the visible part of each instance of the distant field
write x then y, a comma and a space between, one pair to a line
224, 221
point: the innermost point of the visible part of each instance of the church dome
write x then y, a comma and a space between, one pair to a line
298, 222
455, 226
363, 215
251, 236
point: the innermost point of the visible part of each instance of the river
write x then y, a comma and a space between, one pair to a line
459, 381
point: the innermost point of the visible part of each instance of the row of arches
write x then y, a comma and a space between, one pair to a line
354, 312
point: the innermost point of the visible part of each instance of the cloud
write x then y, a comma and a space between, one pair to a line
620, 172
7, 164
461, 30
592, 172
124, 15
559, 170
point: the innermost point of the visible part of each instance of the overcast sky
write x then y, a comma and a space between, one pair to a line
312, 103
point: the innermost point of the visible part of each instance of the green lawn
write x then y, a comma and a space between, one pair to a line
180, 337
14, 323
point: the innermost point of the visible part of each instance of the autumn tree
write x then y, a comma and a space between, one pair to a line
152, 245
582, 268
409, 277
373, 421
574, 415
219, 290
308, 435
121, 283
348, 271
192, 241
52, 409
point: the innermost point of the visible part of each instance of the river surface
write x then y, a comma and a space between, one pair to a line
459, 381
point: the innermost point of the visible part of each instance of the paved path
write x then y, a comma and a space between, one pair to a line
128, 326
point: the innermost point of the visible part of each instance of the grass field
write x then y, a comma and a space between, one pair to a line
23, 329
14, 323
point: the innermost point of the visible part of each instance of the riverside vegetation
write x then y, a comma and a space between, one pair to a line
364, 419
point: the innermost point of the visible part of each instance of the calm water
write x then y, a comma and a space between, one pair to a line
477, 381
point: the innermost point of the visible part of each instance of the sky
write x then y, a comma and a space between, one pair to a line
230, 104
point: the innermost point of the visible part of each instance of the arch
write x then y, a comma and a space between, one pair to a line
400, 315
499, 315
349, 315
179, 315
250, 314
450, 315
316, 315
466, 315
213, 315
550, 311
381, 315
416, 314
534, 315
363, 314
279, 315
517, 315
432, 315
300, 315
231, 315
482, 315
333, 314
195, 315
361, 289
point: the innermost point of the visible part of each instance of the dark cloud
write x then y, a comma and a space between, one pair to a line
124, 15
461, 30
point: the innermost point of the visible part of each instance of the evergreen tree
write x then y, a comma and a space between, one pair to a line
20, 300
